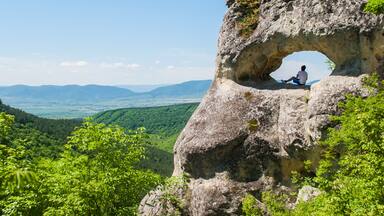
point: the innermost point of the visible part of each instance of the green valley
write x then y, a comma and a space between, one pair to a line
79, 101
49, 166
163, 125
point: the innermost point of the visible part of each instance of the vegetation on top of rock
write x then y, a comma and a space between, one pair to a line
248, 16
375, 6
250, 206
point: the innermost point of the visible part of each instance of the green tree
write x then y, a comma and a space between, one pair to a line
352, 171
97, 173
16, 169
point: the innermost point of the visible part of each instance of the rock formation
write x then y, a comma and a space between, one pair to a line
250, 132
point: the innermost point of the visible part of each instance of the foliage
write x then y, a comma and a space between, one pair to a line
157, 160
253, 125
248, 16
352, 171
250, 207
163, 125
275, 203
16, 170
166, 120
59, 129
331, 64
173, 191
375, 6
305, 177
6, 121
96, 174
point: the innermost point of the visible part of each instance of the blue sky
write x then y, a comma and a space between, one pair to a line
108, 42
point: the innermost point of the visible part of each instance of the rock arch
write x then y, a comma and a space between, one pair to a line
246, 139
318, 66
340, 30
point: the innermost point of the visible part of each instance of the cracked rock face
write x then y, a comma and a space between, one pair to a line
249, 132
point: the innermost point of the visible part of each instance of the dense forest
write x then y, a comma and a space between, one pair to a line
96, 171
83, 167
59, 129
162, 124
166, 120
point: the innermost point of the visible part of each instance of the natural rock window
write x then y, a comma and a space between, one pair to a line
318, 66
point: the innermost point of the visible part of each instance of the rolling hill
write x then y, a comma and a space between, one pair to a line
165, 120
57, 128
74, 101
163, 124
186, 89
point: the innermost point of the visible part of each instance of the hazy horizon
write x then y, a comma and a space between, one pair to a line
114, 85
123, 42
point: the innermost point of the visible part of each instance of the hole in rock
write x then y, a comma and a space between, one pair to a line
318, 66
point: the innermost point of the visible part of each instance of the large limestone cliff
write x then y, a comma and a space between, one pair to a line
250, 132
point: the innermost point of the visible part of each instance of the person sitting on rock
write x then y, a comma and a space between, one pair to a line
301, 77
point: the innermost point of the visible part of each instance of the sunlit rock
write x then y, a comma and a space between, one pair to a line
250, 132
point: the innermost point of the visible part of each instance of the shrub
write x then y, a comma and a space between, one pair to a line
375, 6
250, 207
248, 16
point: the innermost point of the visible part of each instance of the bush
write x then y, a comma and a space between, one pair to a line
248, 16
96, 174
375, 6
250, 207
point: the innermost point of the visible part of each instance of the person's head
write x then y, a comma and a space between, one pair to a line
303, 68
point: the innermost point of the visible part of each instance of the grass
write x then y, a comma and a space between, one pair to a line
253, 125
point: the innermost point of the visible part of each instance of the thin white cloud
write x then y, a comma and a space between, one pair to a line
73, 64
119, 65
170, 67
157, 62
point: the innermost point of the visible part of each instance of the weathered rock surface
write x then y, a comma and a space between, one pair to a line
250, 132
339, 29
307, 193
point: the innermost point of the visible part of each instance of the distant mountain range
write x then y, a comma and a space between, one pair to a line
190, 89
89, 93
140, 88
65, 93
75, 101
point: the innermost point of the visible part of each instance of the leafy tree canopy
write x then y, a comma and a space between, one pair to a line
95, 174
